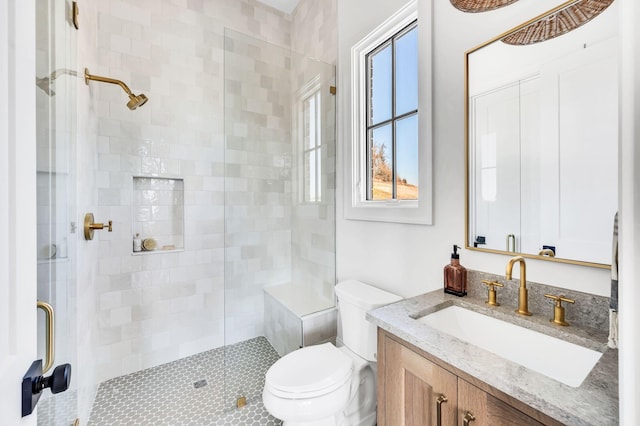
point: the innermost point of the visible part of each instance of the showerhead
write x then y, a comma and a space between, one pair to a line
45, 83
135, 101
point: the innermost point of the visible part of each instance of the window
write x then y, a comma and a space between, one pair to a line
311, 149
392, 118
388, 162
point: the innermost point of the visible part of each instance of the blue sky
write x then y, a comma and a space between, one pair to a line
406, 100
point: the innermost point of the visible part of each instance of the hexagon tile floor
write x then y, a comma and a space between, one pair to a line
191, 391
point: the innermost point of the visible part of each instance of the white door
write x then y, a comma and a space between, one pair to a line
17, 205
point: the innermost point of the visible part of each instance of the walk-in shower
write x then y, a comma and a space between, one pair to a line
244, 178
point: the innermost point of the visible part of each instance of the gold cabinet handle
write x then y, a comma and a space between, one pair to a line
50, 325
439, 401
468, 418
511, 243
558, 311
90, 226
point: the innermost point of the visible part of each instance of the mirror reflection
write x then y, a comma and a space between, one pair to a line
542, 144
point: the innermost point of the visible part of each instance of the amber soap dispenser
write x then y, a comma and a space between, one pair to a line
455, 275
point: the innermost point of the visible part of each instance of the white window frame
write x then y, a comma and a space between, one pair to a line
311, 89
356, 204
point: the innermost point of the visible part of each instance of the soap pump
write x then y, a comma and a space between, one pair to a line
455, 275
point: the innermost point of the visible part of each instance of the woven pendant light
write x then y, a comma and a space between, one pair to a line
480, 5
558, 23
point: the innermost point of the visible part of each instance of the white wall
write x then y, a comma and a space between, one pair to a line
629, 230
408, 259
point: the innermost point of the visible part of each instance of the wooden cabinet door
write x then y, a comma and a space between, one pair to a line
412, 387
486, 409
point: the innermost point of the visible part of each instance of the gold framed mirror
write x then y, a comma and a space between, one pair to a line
541, 138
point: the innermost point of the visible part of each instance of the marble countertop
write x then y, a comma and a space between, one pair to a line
595, 402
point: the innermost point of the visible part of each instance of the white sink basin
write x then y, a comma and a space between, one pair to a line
563, 361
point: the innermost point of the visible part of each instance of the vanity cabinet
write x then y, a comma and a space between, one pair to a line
487, 409
415, 390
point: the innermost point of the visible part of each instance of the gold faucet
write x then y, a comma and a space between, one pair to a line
523, 298
558, 312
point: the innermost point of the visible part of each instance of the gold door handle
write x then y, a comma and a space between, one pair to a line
439, 402
468, 418
90, 226
50, 325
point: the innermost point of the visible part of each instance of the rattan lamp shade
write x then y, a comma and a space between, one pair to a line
558, 23
480, 5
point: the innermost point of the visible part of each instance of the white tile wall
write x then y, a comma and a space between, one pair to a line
315, 30
313, 231
154, 309
258, 178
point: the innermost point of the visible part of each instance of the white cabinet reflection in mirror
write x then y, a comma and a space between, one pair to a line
543, 138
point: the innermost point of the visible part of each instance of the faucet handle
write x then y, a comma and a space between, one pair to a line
492, 297
558, 312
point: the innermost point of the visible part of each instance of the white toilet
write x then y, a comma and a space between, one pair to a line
325, 385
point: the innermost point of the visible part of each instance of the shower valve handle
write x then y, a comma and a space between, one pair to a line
90, 225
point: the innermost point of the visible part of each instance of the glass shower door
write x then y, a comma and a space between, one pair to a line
279, 206
257, 204
55, 144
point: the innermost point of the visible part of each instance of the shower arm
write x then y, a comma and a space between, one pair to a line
88, 77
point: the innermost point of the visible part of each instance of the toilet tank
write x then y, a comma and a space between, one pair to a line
355, 298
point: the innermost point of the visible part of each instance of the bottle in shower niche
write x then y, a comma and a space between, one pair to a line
137, 243
455, 275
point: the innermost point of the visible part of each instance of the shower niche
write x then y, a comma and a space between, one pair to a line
157, 214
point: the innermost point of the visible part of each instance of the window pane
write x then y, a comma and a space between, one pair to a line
318, 181
381, 163
407, 158
306, 123
310, 176
379, 91
310, 121
317, 125
407, 72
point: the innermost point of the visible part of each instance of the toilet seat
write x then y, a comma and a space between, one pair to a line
309, 372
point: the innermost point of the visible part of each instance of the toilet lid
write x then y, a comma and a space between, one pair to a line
312, 370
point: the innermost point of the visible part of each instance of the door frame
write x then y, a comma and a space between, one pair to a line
18, 334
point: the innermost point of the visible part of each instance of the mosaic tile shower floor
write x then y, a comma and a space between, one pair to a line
191, 391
